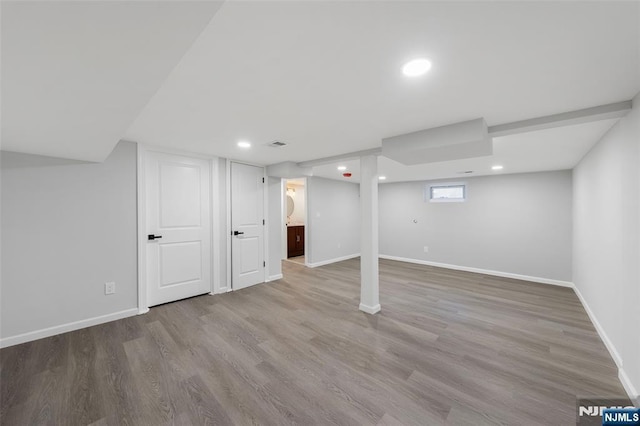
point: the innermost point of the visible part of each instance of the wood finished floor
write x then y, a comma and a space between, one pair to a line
448, 348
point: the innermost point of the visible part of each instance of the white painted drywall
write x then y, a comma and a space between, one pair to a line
517, 224
333, 220
76, 74
66, 230
274, 227
220, 204
606, 186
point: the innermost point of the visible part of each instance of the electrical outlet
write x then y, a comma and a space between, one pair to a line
110, 287
426, 249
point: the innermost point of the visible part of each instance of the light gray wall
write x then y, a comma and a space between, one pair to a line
221, 206
274, 226
606, 241
517, 224
333, 219
67, 228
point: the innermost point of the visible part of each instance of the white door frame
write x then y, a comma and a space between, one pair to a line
283, 219
265, 212
142, 151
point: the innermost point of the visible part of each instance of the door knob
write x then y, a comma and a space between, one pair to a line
237, 233
152, 237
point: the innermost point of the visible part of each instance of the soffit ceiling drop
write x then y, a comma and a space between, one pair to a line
468, 139
75, 75
558, 148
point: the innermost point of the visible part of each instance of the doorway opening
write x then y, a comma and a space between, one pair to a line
295, 238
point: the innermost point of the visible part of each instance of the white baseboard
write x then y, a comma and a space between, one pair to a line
481, 271
370, 309
603, 335
274, 277
64, 328
622, 374
633, 393
334, 260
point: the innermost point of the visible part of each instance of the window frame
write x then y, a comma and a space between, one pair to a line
431, 187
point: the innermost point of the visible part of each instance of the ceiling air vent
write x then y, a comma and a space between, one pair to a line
276, 144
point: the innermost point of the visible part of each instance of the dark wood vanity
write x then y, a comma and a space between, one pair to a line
295, 241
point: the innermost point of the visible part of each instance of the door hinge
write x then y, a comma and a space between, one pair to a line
262, 180
263, 221
264, 264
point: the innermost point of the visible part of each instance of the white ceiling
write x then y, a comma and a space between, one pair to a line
322, 76
76, 74
560, 148
325, 76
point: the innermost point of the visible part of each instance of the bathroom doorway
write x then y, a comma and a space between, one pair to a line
295, 241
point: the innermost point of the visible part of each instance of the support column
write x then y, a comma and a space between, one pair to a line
369, 293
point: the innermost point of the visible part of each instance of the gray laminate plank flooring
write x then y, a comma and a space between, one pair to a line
449, 347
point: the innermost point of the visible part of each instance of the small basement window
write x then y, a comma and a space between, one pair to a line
447, 193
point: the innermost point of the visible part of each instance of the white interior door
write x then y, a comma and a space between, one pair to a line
178, 227
247, 225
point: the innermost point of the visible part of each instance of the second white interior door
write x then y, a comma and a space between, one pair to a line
247, 225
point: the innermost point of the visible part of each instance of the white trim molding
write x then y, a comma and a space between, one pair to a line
370, 309
64, 328
605, 339
214, 201
481, 271
227, 200
143, 308
632, 392
274, 277
334, 260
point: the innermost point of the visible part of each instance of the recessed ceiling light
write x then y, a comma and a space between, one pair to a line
244, 144
416, 67
382, 177
341, 168
497, 168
